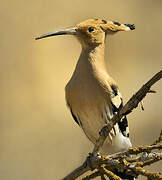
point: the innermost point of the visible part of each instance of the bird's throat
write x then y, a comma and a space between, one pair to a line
92, 60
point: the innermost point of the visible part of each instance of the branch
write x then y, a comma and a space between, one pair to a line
122, 160
136, 150
113, 162
109, 174
77, 172
150, 175
92, 176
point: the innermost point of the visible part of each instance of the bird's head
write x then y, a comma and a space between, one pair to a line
92, 32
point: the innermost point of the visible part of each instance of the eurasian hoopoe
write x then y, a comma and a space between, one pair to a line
91, 94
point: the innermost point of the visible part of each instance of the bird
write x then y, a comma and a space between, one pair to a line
92, 95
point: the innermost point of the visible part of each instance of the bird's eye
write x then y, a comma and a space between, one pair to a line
90, 29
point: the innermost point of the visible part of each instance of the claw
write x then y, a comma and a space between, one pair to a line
91, 161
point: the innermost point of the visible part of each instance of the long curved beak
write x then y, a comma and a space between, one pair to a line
71, 31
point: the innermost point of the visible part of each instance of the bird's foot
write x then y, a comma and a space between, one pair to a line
91, 161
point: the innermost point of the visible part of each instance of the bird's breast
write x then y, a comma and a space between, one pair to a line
88, 101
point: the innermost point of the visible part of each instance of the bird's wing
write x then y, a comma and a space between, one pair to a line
117, 104
76, 119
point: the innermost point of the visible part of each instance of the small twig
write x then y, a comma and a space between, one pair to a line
92, 175
150, 175
149, 161
136, 150
142, 106
109, 174
145, 157
140, 149
151, 91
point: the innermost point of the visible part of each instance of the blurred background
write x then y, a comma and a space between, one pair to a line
39, 138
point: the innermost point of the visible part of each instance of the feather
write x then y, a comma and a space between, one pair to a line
117, 104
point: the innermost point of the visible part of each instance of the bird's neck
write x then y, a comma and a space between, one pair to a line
92, 60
